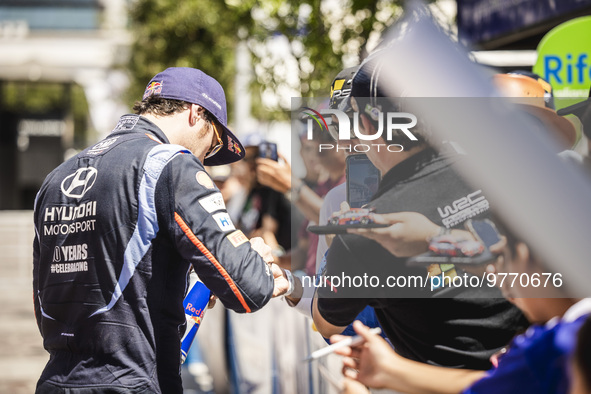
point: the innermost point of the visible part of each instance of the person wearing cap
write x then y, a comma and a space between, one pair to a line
532, 95
456, 327
118, 228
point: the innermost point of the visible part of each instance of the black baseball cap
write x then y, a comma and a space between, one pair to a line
340, 89
196, 87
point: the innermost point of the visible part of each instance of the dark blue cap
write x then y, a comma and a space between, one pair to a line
196, 87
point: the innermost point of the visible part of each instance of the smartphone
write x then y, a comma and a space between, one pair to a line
363, 179
268, 150
484, 230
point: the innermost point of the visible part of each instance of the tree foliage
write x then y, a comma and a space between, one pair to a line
297, 46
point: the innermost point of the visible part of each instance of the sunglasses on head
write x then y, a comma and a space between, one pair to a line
216, 148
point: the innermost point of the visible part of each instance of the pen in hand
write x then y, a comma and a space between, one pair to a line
351, 341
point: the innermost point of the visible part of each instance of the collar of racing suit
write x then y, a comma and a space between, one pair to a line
139, 124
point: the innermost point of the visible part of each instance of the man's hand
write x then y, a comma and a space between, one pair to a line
371, 362
499, 247
376, 365
212, 301
264, 250
281, 282
344, 207
273, 174
406, 236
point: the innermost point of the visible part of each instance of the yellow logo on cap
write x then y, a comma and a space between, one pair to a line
337, 85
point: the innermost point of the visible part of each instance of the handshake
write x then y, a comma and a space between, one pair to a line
284, 282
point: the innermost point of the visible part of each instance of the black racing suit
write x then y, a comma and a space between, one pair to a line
118, 227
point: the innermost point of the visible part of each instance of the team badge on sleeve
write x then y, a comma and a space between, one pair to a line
213, 202
223, 221
204, 180
237, 238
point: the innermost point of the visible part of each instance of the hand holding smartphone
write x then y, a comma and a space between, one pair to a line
268, 150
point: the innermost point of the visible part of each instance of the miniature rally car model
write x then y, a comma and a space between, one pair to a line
353, 216
450, 246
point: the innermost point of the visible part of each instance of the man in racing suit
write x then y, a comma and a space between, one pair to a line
118, 228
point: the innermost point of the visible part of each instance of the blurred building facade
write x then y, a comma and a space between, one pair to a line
505, 33
65, 43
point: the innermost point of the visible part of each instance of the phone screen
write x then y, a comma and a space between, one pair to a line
486, 231
268, 150
363, 179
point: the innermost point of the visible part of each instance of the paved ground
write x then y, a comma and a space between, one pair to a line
22, 356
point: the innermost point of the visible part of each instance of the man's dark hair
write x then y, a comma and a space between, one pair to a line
159, 106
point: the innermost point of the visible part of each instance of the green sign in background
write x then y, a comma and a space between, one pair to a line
564, 60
